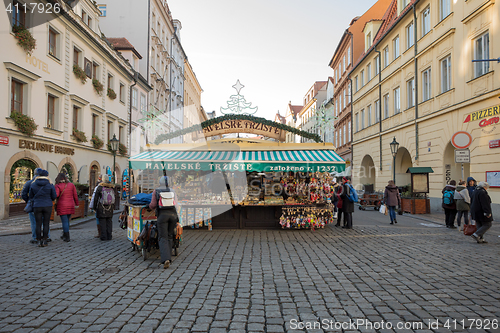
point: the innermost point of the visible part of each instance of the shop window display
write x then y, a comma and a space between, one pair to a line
20, 173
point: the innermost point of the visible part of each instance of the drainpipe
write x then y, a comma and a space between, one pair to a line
136, 77
170, 86
379, 104
352, 101
416, 82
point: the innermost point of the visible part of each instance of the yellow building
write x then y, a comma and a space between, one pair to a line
416, 83
193, 111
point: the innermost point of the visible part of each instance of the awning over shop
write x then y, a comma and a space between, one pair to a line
420, 170
323, 160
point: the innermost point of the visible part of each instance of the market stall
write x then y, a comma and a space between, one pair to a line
258, 184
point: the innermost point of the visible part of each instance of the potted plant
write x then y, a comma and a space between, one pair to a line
122, 149
24, 124
79, 73
24, 38
96, 142
79, 135
98, 87
111, 94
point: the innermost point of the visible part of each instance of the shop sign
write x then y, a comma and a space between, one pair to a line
4, 140
33, 145
462, 156
491, 121
481, 114
495, 143
244, 126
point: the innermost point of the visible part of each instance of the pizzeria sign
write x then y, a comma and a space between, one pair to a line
482, 114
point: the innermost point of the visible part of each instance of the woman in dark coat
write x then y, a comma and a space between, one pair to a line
347, 206
42, 192
104, 212
67, 199
392, 199
481, 211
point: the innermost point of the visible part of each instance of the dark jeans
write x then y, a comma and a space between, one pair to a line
166, 222
465, 214
42, 218
106, 226
450, 215
482, 227
392, 213
348, 220
339, 216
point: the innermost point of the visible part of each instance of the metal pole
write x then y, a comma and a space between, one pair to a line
114, 165
462, 171
394, 168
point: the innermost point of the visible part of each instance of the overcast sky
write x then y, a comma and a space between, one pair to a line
276, 48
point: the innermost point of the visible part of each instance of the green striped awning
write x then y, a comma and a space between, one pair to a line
268, 161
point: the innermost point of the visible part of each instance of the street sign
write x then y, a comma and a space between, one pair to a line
4, 140
461, 140
462, 156
495, 143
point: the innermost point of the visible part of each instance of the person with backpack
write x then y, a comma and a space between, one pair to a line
67, 200
163, 200
91, 205
104, 205
25, 197
449, 205
349, 197
338, 193
42, 193
392, 199
462, 200
481, 211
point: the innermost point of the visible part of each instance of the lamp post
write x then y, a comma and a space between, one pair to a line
394, 151
114, 147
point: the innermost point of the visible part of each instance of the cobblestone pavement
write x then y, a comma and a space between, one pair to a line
256, 281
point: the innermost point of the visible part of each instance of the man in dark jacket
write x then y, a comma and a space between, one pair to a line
104, 212
471, 185
392, 199
42, 193
481, 211
347, 206
449, 205
25, 197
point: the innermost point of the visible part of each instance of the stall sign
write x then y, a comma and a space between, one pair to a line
244, 126
462, 156
481, 114
495, 143
33, 145
4, 140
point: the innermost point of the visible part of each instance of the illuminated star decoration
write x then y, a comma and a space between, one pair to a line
237, 103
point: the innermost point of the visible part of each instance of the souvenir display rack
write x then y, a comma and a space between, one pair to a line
21, 176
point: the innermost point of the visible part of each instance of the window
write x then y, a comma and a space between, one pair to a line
76, 114
17, 92
368, 40
446, 74
84, 16
89, 22
95, 71
444, 9
122, 92
356, 84
103, 10
18, 14
77, 57
386, 106
356, 118
426, 21
110, 81
397, 100
110, 129
426, 84
362, 78
51, 111
345, 134
481, 51
349, 56
345, 64
362, 119
369, 115
377, 65
410, 93
369, 72
95, 119
53, 43
340, 137
134, 98
349, 135
349, 94
120, 130
409, 36
337, 143
395, 47
386, 56
377, 111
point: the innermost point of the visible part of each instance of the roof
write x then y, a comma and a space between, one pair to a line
319, 84
294, 108
372, 20
122, 43
420, 170
280, 118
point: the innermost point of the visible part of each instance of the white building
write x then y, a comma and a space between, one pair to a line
306, 119
45, 86
149, 26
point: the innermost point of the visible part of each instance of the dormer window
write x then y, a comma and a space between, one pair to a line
368, 40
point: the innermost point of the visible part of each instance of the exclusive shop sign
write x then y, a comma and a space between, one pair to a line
45, 147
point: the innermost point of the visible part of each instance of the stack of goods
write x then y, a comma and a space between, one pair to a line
306, 218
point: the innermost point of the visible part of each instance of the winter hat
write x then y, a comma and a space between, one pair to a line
43, 173
483, 185
453, 183
37, 171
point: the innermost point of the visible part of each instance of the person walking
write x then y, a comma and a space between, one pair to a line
481, 211
462, 201
67, 200
42, 193
449, 205
392, 199
347, 205
471, 186
103, 202
25, 197
338, 194
91, 205
167, 219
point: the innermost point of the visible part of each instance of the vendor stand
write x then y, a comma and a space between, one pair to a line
265, 184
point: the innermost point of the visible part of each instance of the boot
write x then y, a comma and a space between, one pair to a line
40, 243
65, 236
44, 242
98, 232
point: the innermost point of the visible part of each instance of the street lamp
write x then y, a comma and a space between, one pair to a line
114, 143
394, 151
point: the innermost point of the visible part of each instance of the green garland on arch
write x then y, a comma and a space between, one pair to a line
211, 122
